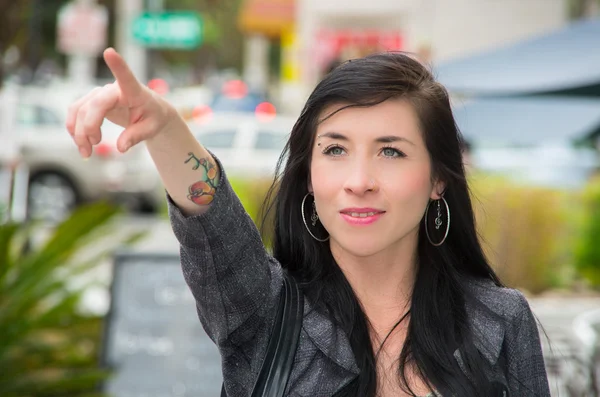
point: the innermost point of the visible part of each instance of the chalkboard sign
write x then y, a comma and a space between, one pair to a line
154, 342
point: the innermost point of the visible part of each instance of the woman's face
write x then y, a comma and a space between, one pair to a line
371, 177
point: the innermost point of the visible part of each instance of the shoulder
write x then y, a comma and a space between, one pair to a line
506, 327
507, 303
497, 315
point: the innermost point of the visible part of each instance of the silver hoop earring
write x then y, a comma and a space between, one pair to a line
314, 218
438, 220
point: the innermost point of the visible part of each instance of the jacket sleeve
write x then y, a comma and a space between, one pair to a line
235, 282
527, 372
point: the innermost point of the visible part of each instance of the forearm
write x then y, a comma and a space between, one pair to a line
233, 279
188, 172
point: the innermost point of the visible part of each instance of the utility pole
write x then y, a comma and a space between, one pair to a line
153, 56
134, 54
256, 62
35, 38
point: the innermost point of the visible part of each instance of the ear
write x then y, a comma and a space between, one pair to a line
309, 185
438, 189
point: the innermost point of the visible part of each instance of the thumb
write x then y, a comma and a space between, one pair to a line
132, 135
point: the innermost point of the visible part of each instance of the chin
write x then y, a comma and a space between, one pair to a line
360, 246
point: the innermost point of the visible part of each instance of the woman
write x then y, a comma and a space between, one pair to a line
372, 217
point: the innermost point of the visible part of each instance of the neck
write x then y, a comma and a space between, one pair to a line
383, 282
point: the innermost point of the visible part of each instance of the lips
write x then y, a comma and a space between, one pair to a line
361, 212
361, 216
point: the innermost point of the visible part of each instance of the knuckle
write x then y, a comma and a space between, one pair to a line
95, 102
81, 116
88, 124
83, 109
80, 140
94, 139
72, 109
153, 126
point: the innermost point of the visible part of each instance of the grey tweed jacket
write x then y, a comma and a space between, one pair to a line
236, 283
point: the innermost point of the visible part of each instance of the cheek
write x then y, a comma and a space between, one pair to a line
323, 178
417, 182
409, 186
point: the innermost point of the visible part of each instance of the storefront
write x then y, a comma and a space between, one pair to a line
315, 35
337, 45
264, 23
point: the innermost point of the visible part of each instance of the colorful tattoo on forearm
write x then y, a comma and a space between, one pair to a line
203, 191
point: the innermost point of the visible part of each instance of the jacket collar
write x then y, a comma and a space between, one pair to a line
487, 326
488, 331
329, 339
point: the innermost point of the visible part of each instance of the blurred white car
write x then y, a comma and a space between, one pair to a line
559, 166
59, 179
537, 140
247, 144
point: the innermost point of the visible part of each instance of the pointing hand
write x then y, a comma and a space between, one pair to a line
126, 102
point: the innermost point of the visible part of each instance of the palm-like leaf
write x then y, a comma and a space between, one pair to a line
47, 348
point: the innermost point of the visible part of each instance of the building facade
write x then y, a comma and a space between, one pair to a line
327, 32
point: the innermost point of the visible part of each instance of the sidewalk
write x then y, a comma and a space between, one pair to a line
563, 350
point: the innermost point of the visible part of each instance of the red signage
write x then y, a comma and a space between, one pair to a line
343, 44
368, 39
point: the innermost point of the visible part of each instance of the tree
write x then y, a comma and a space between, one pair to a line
13, 26
583, 8
30, 26
223, 44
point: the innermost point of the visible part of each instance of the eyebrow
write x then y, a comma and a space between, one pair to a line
381, 139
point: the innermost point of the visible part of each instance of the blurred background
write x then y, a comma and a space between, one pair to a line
92, 301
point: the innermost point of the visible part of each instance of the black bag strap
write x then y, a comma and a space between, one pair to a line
281, 350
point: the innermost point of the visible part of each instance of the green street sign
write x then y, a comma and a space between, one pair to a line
174, 30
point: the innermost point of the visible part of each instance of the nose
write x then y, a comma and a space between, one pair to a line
360, 181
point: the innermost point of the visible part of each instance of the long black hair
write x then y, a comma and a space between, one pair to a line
438, 323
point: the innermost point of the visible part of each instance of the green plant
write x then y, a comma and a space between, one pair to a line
587, 251
253, 193
3, 211
525, 231
48, 347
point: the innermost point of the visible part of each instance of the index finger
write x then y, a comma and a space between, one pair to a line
129, 85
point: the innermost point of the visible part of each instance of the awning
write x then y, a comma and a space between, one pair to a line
566, 61
528, 121
268, 17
